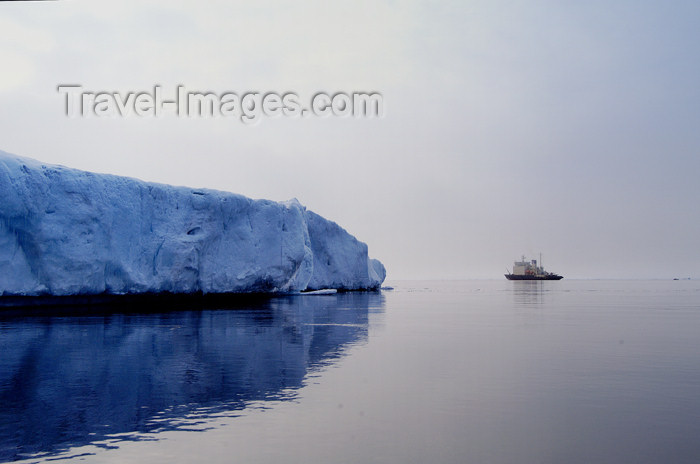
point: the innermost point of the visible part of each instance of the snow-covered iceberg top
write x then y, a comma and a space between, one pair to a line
70, 232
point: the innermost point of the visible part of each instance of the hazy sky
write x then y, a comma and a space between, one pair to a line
567, 128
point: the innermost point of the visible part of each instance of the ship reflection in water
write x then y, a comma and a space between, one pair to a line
529, 292
68, 380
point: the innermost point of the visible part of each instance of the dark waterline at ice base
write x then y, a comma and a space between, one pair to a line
445, 372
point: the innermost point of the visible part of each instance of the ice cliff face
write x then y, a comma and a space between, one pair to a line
68, 232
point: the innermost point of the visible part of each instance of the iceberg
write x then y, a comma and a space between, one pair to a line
69, 232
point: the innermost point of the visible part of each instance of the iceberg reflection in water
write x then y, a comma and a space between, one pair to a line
68, 380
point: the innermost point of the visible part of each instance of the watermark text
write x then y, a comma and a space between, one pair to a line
248, 107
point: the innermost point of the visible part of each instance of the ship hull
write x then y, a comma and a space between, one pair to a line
534, 277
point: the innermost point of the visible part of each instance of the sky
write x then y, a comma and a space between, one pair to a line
570, 129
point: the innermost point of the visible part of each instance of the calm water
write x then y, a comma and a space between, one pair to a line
443, 372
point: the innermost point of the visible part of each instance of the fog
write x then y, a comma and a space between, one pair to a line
509, 128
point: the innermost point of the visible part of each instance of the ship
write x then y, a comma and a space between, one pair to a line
529, 270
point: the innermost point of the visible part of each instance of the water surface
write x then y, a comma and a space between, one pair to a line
454, 372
